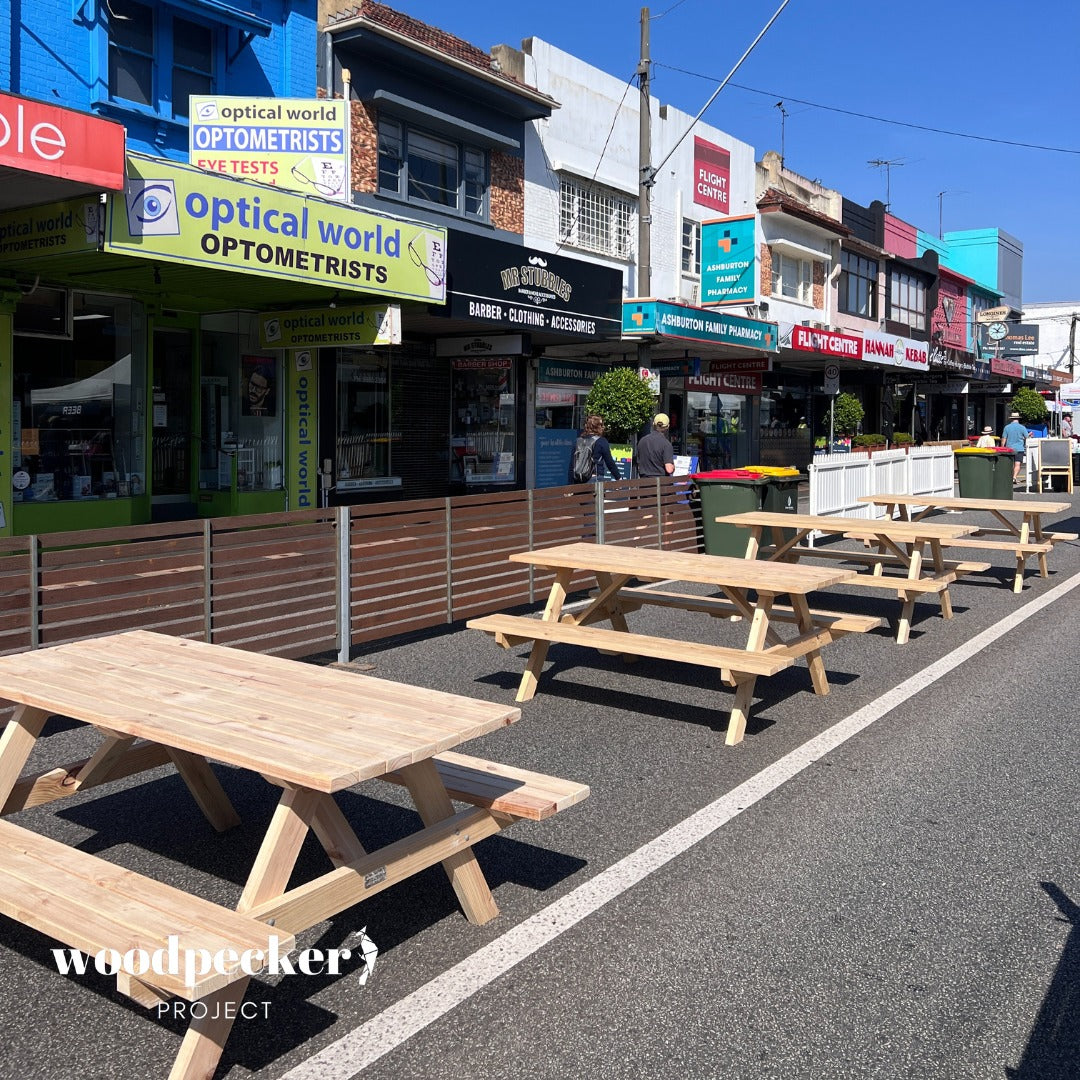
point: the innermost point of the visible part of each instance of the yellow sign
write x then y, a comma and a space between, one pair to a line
315, 327
298, 144
57, 229
177, 213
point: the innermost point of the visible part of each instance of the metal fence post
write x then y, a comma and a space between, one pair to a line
35, 592
598, 506
659, 516
449, 564
208, 583
343, 589
530, 509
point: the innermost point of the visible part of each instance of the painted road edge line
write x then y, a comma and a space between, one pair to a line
376, 1037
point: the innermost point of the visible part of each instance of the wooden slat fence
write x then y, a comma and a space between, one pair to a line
314, 581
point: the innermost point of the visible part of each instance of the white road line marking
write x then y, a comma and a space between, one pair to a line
364, 1045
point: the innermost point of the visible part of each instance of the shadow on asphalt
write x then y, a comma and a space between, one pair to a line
1053, 1048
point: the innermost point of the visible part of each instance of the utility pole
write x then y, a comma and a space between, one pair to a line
646, 180
1072, 345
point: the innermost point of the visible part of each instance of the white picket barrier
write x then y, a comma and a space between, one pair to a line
838, 480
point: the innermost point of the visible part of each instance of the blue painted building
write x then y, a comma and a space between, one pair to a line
137, 62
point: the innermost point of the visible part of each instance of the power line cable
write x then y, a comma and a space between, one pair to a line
877, 119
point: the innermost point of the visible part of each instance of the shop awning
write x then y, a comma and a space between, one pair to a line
48, 153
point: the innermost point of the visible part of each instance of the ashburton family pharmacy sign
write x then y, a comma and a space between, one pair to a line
659, 318
177, 213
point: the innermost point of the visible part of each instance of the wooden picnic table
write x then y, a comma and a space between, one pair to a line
1018, 519
900, 544
312, 731
615, 567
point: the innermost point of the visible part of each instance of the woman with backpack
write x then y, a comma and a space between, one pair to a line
592, 458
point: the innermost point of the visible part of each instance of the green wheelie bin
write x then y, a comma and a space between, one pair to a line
781, 494
975, 473
1003, 473
723, 492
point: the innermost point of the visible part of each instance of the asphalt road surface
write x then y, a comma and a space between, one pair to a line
883, 882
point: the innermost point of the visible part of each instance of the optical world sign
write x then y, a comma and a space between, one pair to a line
40, 138
896, 352
180, 214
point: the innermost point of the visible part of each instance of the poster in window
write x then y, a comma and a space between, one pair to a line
259, 393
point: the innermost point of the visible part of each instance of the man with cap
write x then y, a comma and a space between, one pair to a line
1014, 437
653, 455
1067, 426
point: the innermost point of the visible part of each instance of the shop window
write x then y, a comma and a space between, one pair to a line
718, 429
78, 407
157, 59
907, 300
424, 168
240, 408
792, 278
483, 431
857, 291
596, 218
366, 437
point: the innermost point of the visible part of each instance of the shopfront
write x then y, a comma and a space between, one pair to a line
69, 380
715, 405
515, 409
172, 349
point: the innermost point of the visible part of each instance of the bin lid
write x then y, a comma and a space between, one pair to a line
773, 470
728, 474
1003, 450
978, 450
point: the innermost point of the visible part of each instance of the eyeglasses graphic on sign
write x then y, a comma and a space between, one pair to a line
207, 110
151, 208
326, 177
432, 260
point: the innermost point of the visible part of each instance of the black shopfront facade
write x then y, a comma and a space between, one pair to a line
451, 409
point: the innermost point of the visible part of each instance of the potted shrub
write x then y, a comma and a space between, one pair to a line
869, 442
623, 398
902, 439
1032, 409
848, 414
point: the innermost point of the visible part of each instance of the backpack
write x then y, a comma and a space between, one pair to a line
583, 465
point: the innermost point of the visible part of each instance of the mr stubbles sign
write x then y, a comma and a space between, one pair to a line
180, 214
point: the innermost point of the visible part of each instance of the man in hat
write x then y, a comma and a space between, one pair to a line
1014, 437
653, 455
986, 439
1067, 426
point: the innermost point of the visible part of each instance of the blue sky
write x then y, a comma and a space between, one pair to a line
1006, 72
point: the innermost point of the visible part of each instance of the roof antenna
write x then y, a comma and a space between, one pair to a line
783, 117
881, 163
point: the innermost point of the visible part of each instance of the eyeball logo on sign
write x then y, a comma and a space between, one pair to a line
151, 208
272, 330
303, 361
206, 110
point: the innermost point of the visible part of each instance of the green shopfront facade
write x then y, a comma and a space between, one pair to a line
160, 347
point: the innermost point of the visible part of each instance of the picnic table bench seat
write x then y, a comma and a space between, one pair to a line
91, 904
503, 789
511, 630
871, 558
839, 622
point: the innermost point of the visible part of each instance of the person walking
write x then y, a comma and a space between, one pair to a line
604, 465
653, 455
986, 439
1067, 426
1014, 437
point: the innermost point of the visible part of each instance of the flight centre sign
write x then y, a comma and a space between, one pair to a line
177, 213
